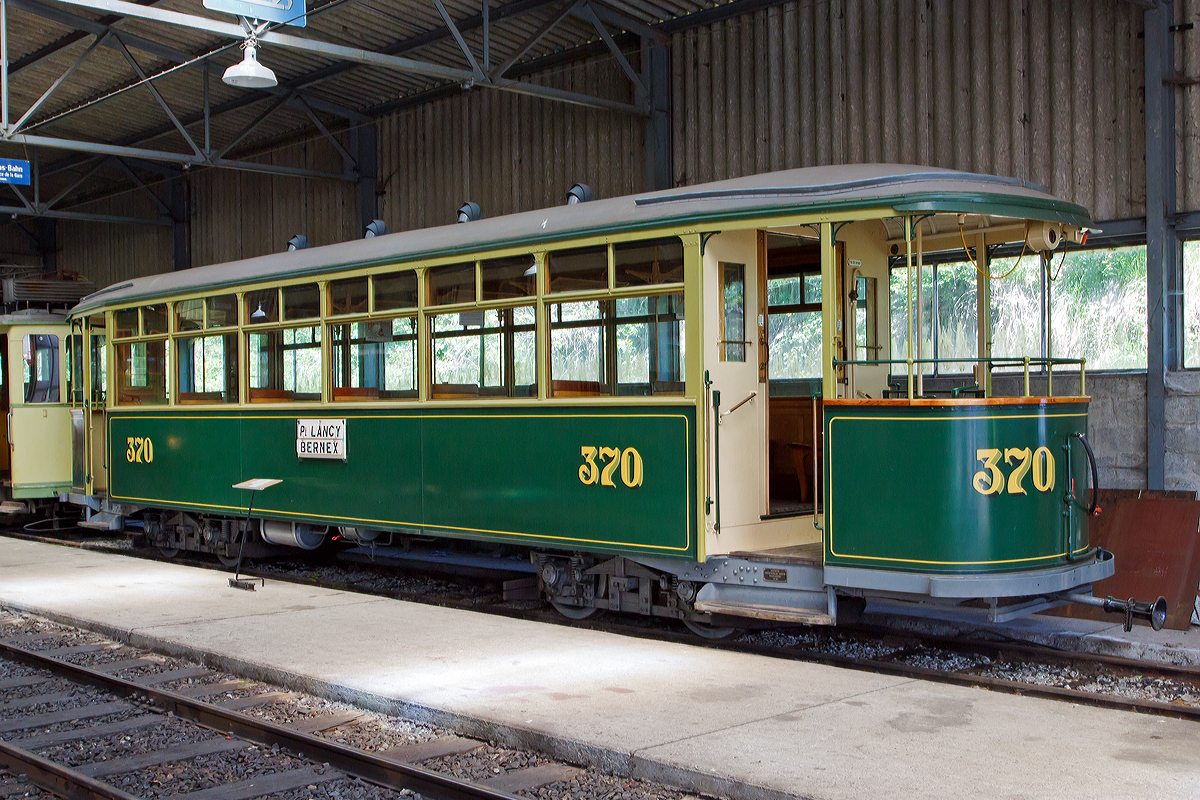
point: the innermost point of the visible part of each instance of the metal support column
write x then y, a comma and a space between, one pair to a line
181, 221
1161, 242
364, 142
45, 230
656, 74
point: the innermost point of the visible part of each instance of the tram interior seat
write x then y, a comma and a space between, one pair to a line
792, 464
355, 393
935, 386
455, 391
562, 388
271, 395
195, 398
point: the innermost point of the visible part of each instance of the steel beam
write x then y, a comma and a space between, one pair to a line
1160, 238
364, 140
656, 66
535, 37
277, 39
462, 43
184, 159
100, 27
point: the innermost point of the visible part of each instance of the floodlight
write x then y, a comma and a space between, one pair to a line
249, 74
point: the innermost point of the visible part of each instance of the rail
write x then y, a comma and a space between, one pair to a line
1025, 363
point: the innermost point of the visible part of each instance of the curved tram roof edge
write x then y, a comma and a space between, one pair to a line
791, 192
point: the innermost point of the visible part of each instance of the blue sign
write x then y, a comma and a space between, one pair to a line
288, 12
14, 171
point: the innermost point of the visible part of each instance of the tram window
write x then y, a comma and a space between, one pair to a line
262, 306
222, 311
579, 362
189, 315
452, 283
142, 373
99, 369
733, 320
41, 368
396, 290
285, 364
302, 301
375, 359
208, 369
649, 345
75, 368
649, 262
348, 296
125, 323
154, 319
506, 278
485, 353
866, 336
794, 326
580, 269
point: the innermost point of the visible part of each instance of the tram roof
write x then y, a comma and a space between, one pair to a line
798, 191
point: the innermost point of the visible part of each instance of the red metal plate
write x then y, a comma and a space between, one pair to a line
1153, 536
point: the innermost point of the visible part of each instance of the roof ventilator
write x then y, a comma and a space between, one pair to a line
298, 242
377, 228
469, 212
580, 193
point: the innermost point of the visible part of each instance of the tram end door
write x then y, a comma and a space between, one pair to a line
87, 382
39, 415
791, 369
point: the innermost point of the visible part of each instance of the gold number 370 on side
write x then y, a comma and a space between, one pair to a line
629, 461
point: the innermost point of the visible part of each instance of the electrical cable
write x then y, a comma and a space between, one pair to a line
1061, 262
990, 277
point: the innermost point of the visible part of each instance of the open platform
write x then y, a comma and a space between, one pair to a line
727, 723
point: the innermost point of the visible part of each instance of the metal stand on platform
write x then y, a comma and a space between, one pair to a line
255, 485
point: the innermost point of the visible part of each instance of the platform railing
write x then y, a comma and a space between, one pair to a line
1026, 363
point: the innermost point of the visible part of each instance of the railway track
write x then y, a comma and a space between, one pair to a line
52, 702
1025, 669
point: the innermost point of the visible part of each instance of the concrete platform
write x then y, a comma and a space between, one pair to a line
725, 723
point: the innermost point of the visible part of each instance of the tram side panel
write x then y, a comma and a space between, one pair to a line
956, 488
620, 480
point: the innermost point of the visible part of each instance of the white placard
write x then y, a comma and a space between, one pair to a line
321, 438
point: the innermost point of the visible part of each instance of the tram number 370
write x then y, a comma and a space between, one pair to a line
992, 480
601, 463
139, 450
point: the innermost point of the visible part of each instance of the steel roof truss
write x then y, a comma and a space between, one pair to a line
61, 79
163, 207
64, 17
150, 85
462, 43
589, 14
259, 120
535, 37
350, 162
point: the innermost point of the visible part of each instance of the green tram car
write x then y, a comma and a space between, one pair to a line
679, 402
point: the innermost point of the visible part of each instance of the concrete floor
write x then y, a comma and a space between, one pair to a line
731, 724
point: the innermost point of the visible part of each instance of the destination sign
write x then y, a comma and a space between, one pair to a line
287, 12
14, 170
321, 438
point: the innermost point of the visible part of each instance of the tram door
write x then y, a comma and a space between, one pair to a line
5, 452
39, 418
87, 375
790, 365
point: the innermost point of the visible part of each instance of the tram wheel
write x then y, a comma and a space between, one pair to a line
708, 631
573, 612
228, 561
169, 552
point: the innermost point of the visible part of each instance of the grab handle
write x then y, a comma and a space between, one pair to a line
1094, 510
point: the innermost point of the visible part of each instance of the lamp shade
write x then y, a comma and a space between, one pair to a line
249, 74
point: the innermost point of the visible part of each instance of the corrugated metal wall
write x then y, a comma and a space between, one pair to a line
109, 252
509, 152
243, 214
1045, 91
